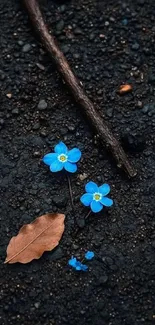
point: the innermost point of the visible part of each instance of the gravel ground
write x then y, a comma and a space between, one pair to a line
107, 45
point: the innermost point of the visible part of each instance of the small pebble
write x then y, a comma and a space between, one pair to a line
37, 154
62, 9
83, 176
139, 104
42, 105
36, 126
80, 222
20, 43
9, 95
135, 46
76, 55
71, 128
65, 49
26, 48
15, 111
92, 36
60, 25
59, 200
1, 121
78, 31
37, 305
151, 76
102, 280
75, 246
145, 108
124, 21
107, 23
109, 112
56, 254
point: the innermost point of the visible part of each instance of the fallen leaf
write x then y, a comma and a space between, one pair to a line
125, 89
33, 239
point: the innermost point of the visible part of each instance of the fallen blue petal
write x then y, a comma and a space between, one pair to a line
89, 255
73, 262
84, 267
77, 265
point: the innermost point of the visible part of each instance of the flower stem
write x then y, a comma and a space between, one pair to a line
70, 191
87, 215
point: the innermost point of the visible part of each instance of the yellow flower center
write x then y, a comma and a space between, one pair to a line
97, 196
62, 158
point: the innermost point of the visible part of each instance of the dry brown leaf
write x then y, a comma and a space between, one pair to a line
33, 239
125, 89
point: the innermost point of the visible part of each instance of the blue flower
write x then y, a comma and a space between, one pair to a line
62, 158
72, 262
95, 196
78, 266
89, 255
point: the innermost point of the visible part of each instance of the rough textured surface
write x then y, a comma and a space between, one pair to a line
106, 45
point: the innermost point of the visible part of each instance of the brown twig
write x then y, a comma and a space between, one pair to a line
99, 125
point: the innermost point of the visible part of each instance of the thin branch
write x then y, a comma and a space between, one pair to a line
85, 104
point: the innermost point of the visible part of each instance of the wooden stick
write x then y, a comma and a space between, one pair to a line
86, 105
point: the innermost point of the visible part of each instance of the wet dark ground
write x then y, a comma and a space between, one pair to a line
107, 44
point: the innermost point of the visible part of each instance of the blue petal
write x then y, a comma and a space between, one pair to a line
86, 199
78, 266
72, 262
89, 255
106, 201
72, 168
91, 187
81, 267
56, 166
84, 267
74, 155
60, 148
96, 206
49, 158
104, 189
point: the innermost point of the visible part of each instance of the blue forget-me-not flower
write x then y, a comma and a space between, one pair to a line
95, 196
89, 255
77, 265
62, 158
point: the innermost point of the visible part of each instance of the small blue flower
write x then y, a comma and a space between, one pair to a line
62, 158
89, 255
72, 262
78, 266
95, 196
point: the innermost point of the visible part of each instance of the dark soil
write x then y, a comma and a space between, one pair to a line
107, 43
